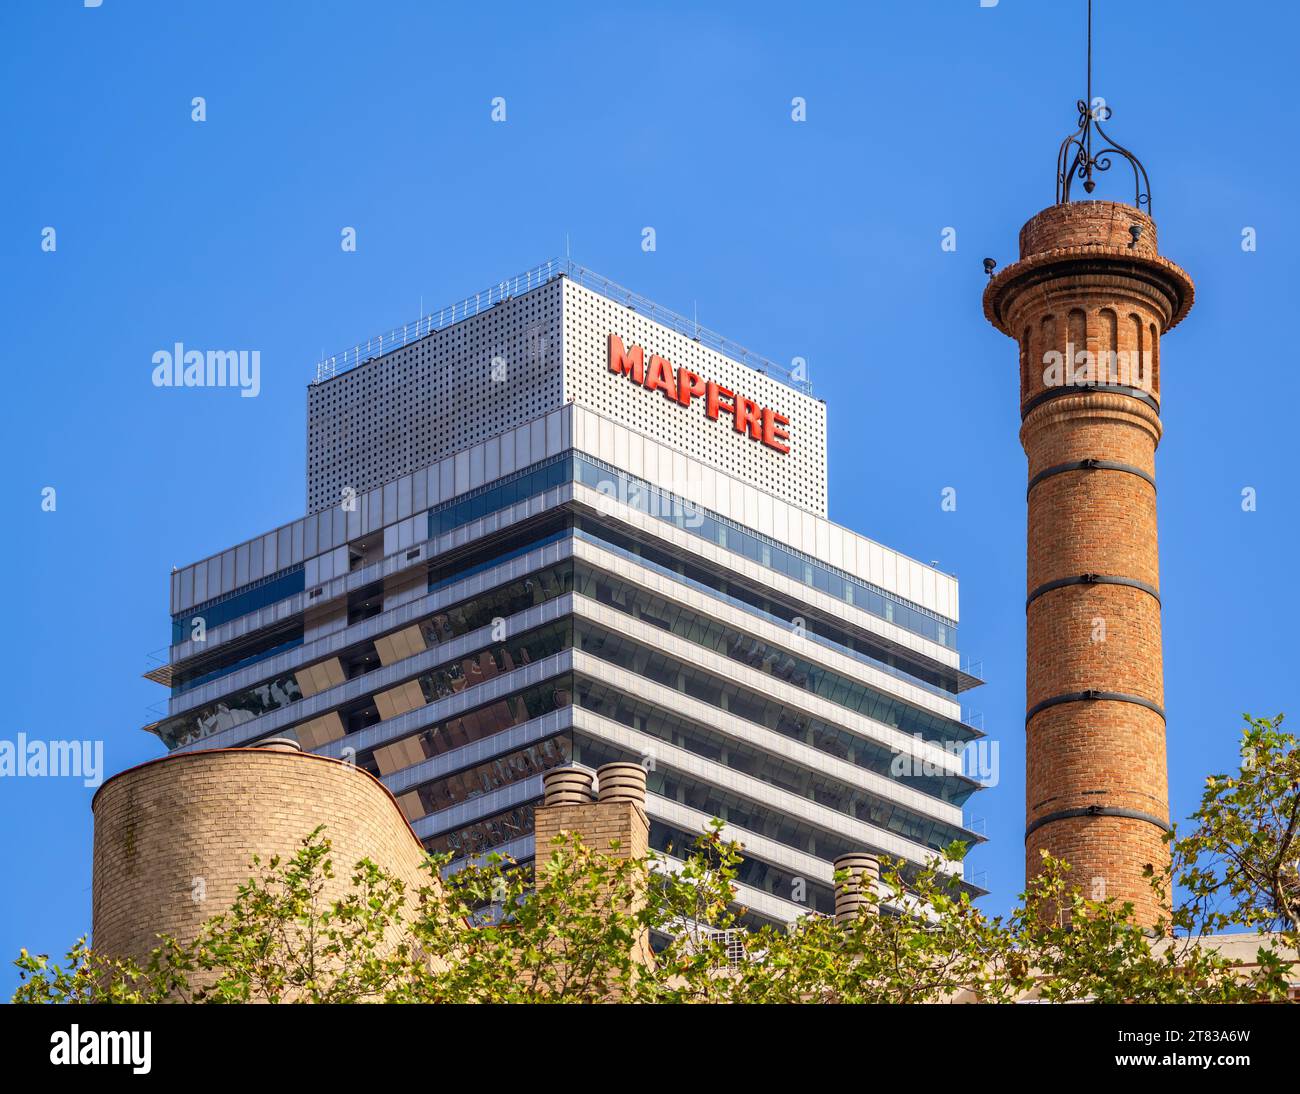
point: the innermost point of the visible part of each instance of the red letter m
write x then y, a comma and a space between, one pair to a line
628, 362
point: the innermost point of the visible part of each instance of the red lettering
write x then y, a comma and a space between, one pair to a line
748, 418
628, 362
760, 423
713, 395
774, 433
688, 386
660, 377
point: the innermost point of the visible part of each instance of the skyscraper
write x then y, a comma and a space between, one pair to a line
555, 523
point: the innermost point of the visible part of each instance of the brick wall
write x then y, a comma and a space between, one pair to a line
618, 828
175, 837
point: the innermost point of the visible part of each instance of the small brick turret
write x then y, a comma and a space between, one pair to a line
611, 822
1087, 303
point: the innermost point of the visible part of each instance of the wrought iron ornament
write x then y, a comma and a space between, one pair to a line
1077, 159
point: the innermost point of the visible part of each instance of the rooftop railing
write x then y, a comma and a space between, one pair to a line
378, 345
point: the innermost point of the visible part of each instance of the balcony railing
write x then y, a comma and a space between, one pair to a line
380, 344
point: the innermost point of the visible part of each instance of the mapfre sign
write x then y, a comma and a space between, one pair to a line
681, 386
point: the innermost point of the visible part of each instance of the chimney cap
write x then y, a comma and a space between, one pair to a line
855, 895
277, 744
621, 781
568, 785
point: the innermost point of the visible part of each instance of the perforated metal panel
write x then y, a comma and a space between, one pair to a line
434, 397
530, 354
798, 476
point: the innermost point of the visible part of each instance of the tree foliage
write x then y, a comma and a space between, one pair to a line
577, 927
1241, 863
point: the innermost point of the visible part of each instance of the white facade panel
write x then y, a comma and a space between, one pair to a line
722, 494
798, 476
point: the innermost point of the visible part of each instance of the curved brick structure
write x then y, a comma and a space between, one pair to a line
174, 837
1087, 304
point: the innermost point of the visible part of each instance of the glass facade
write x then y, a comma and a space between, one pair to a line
770, 660
502, 657
484, 835
440, 627
837, 742
447, 573
936, 679
762, 820
446, 679
764, 550
471, 727
474, 782
759, 759
500, 494
641, 495
491, 719
240, 602
528, 483
229, 712
748, 760
499, 603
237, 657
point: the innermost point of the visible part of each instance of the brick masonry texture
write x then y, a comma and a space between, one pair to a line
165, 826
1085, 224
600, 824
1082, 284
620, 829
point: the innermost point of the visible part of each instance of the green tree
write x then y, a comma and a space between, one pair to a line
578, 926
1240, 865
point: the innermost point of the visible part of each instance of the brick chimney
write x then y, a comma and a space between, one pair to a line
617, 814
1087, 303
613, 822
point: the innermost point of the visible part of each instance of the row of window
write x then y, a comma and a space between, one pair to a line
934, 678
238, 656
464, 785
471, 727
237, 603
753, 652
713, 801
762, 549
551, 582
641, 495
457, 620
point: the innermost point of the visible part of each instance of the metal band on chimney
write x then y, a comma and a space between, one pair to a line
1088, 389
1092, 695
1097, 811
1090, 464
1093, 579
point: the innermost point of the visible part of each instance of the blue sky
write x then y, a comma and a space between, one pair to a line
818, 239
